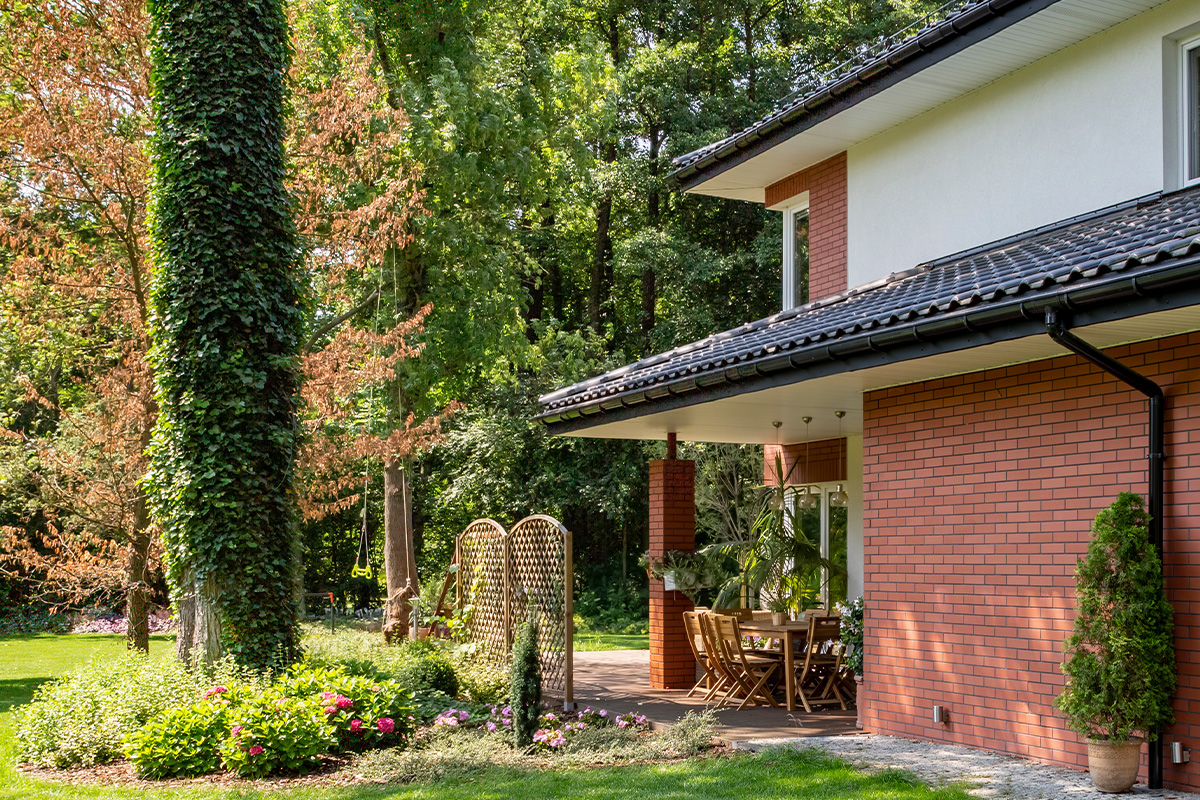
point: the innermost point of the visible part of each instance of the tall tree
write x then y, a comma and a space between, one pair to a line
228, 317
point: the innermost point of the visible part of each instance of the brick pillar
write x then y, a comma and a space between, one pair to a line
672, 527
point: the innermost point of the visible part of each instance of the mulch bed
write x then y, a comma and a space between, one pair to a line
121, 773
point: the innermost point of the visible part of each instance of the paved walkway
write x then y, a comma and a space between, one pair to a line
619, 680
987, 775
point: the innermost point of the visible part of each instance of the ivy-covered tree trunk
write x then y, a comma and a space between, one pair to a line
227, 319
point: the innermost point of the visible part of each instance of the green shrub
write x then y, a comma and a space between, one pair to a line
418, 666
182, 742
526, 684
270, 733
365, 712
481, 682
33, 620
81, 719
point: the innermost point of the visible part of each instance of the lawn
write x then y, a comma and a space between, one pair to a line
27, 661
584, 642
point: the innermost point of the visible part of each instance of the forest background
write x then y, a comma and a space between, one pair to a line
482, 190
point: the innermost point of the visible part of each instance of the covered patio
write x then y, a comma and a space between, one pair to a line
619, 681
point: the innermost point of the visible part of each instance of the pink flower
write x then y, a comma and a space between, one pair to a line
330, 710
603, 712
355, 725
255, 750
491, 726
327, 695
214, 691
463, 716
236, 730
343, 702
385, 725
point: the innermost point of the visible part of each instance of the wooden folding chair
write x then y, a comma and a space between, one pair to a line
748, 671
817, 682
711, 679
726, 677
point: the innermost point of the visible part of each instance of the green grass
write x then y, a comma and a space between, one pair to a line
27, 661
584, 642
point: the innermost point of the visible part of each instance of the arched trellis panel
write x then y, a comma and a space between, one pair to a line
502, 576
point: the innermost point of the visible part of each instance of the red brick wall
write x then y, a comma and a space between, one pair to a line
826, 186
826, 462
979, 494
672, 527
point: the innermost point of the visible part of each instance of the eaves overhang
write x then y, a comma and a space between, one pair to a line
1137, 259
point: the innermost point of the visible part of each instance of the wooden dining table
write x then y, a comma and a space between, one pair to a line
788, 634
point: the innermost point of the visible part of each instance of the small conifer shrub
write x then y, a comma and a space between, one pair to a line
526, 688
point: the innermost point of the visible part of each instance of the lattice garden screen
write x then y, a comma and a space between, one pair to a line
501, 574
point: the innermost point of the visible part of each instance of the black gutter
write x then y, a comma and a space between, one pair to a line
1121, 296
913, 55
1056, 327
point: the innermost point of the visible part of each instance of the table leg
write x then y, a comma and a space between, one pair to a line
789, 666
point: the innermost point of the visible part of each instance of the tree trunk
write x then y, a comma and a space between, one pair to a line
602, 254
199, 634
399, 556
137, 614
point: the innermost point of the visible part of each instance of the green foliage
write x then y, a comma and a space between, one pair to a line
355, 705
481, 682
227, 316
418, 666
1120, 658
182, 742
525, 690
83, 717
33, 620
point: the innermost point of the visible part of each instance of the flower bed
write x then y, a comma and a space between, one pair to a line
554, 727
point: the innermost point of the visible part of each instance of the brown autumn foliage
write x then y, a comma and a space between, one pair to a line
74, 173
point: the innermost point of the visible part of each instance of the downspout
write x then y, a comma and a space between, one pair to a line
1056, 327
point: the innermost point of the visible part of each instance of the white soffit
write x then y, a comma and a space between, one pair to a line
747, 418
1063, 24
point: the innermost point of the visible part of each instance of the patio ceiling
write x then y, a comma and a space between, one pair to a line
747, 417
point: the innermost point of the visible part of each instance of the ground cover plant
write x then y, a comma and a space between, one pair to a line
29, 660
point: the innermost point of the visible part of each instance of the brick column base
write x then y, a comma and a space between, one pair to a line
672, 527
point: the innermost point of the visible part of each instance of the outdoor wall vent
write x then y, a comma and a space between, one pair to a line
940, 715
1179, 753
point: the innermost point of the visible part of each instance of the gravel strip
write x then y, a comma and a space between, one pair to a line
984, 774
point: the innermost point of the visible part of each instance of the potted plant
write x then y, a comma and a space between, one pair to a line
689, 573
852, 644
1120, 658
779, 607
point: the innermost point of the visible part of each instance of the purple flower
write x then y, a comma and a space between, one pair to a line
604, 712
463, 716
491, 726
385, 725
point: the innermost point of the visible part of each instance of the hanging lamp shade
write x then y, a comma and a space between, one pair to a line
809, 499
838, 498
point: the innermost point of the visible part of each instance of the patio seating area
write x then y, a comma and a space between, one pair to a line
618, 680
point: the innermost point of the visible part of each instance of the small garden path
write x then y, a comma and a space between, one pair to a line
985, 774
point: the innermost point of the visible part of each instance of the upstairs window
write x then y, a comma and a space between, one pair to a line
1191, 110
795, 257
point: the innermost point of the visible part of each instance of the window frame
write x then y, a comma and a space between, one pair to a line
789, 252
1189, 111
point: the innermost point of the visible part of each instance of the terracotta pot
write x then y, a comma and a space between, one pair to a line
858, 683
1114, 765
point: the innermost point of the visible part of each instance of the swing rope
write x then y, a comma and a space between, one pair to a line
362, 561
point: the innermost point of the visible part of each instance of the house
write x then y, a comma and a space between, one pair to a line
973, 209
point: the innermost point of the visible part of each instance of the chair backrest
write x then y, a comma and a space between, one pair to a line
712, 642
691, 624
823, 630
730, 635
761, 615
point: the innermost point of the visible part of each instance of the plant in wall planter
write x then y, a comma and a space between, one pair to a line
689, 573
1120, 658
852, 644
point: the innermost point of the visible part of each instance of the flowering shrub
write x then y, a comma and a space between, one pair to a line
117, 624
852, 633
365, 713
270, 732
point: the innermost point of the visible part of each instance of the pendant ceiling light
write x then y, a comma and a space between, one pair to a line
808, 498
839, 498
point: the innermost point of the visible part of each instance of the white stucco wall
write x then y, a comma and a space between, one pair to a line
1073, 132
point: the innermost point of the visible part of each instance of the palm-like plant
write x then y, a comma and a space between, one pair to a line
779, 558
